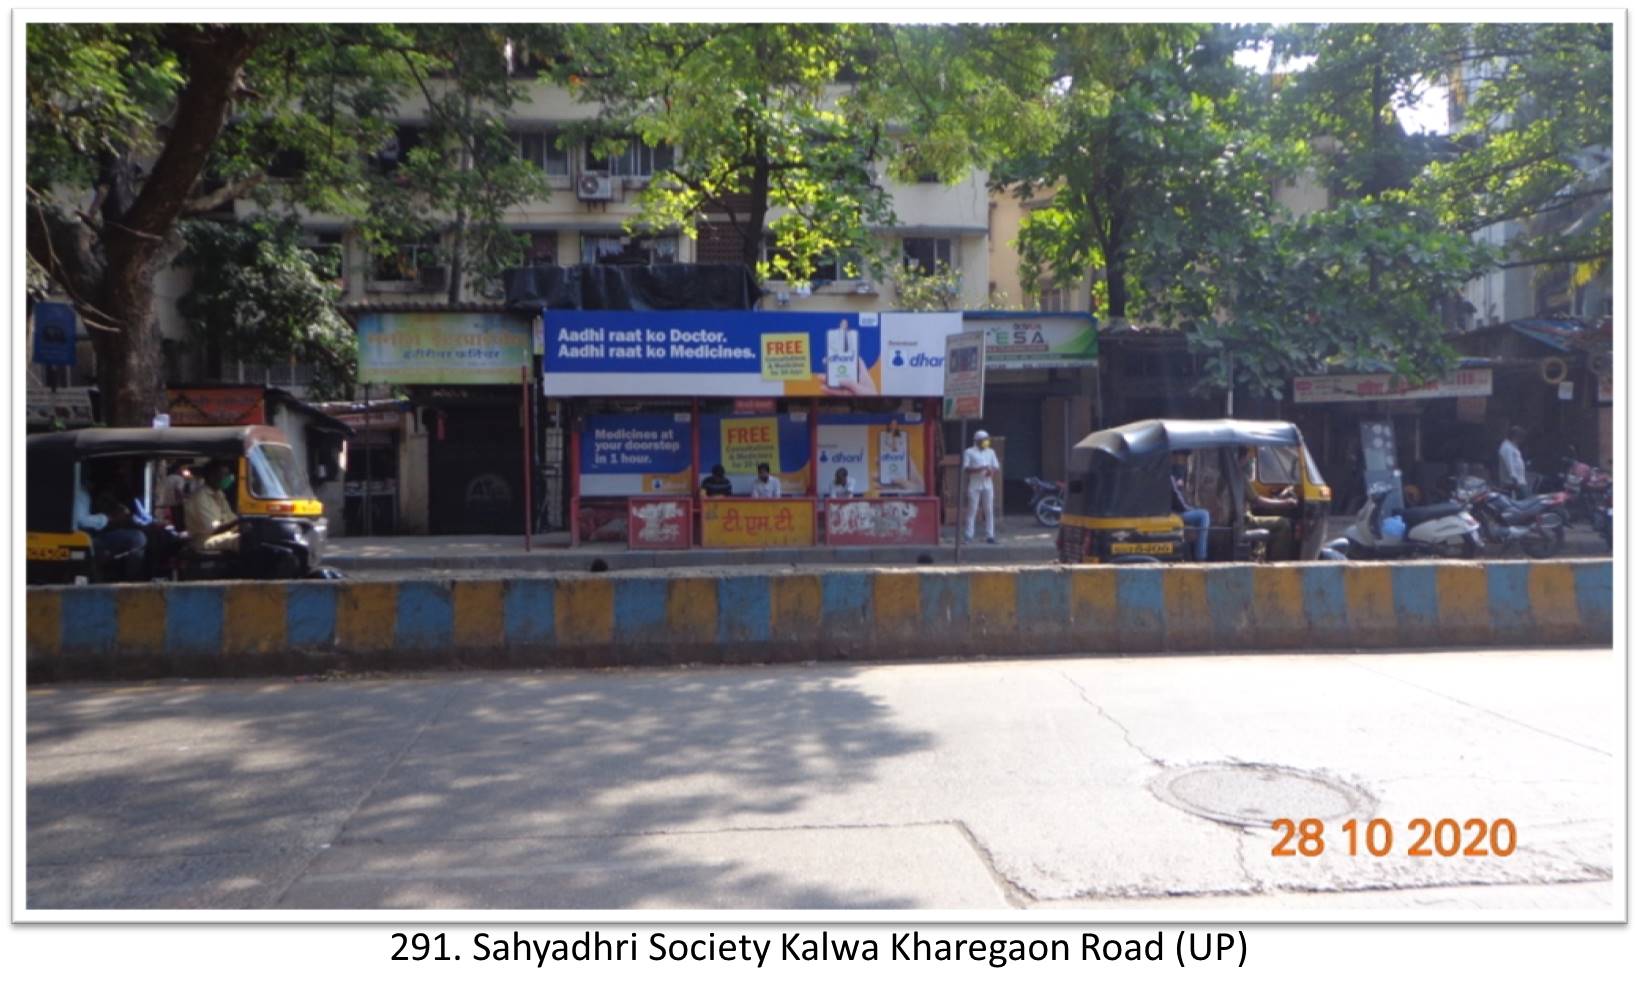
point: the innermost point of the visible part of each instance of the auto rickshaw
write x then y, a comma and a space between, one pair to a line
1120, 505
281, 524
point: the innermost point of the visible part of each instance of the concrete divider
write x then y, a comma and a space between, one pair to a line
747, 616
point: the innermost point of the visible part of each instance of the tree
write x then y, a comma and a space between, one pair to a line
259, 296
134, 129
1150, 151
788, 130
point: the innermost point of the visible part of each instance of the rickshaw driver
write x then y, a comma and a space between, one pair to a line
212, 526
1269, 512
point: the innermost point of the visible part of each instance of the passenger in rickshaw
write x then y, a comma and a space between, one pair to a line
212, 525
1194, 518
117, 539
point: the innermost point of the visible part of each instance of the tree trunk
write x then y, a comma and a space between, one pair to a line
750, 236
130, 360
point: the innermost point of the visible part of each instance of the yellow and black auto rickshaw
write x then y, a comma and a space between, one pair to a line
1256, 480
281, 524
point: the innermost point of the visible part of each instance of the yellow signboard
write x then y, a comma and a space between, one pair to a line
740, 522
747, 442
1140, 548
785, 356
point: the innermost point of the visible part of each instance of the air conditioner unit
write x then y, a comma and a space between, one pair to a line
595, 187
434, 278
864, 287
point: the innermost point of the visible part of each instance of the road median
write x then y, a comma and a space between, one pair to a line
753, 615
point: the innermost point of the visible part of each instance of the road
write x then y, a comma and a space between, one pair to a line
1001, 784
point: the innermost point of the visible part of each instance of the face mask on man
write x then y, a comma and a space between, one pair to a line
983, 444
227, 481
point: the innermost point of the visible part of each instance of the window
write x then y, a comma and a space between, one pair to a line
926, 254
622, 250
540, 249
331, 250
542, 149
275, 474
637, 159
403, 263
826, 269
398, 147
1054, 298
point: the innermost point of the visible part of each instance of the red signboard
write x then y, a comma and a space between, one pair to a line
217, 406
881, 522
659, 523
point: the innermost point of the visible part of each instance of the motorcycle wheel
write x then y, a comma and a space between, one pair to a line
1049, 512
1542, 542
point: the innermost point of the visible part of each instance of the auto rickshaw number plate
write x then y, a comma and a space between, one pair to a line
1140, 548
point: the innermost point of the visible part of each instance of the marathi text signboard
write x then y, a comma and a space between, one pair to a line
881, 521
964, 375
1036, 342
742, 522
231, 405
1389, 387
744, 354
659, 523
635, 455
442, 347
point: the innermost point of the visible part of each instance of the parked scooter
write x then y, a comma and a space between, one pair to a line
1380, 533
1536, 523
1046, 501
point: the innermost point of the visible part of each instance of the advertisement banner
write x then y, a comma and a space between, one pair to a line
442, 347
742, 522
881, 522
744, 354
622, 455
1036, 342
882, 454
231, 405
964, 376
1389, 387
740, 442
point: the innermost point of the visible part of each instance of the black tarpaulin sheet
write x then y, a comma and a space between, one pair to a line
664, 287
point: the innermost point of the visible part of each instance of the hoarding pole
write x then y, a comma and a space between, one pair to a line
367, 489
528, 465
961, 493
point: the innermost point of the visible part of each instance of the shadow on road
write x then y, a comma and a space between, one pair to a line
521, 792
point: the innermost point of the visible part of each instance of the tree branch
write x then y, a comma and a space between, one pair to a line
223, 196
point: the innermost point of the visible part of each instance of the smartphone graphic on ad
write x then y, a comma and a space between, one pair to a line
841, 356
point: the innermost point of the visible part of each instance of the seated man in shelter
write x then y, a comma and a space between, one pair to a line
839, 485
717, 485
212, 526
765, 485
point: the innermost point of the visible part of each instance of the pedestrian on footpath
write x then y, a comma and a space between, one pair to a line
1510, 464
982, 469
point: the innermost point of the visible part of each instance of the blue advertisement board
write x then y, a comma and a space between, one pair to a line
743, 353
635, 455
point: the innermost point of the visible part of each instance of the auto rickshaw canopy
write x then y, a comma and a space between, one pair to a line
52, 456
1126, 469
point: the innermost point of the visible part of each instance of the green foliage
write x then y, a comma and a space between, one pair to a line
915, 289
260, 297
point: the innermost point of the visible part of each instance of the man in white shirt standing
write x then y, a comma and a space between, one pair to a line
1510, 464
982, 469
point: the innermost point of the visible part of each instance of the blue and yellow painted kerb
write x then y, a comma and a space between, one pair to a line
767, 616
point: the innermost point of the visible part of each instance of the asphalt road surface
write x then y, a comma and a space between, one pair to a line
1106, 783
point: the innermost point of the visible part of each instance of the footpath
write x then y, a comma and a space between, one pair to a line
1020, 541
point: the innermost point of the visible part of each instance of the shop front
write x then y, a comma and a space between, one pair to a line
462, 459
824, 425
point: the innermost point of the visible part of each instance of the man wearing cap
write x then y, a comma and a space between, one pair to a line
982, 469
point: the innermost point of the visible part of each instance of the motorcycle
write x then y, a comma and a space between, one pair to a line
1589, 489
1536, 523
1046, 501
1379, 533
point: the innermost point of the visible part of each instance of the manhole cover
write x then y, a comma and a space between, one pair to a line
1254, 795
